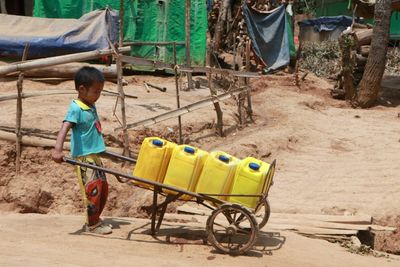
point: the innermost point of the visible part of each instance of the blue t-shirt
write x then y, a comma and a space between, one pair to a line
86, 135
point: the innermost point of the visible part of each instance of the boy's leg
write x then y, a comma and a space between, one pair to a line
94, 189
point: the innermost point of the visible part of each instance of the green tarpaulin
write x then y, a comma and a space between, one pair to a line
144, 20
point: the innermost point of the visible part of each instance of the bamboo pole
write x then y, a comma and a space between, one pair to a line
120, 81
52, 61
19, 113
42, 142
68, 70
185, 109
220, 71
56, 92
154, 43
178, 104
187, 31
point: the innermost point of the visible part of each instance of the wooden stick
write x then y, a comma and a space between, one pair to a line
55, 92
213, 92
241, 96
247, 82
120, 82
31, 132
187, 32
178, 104
19, 113
147, 87
186, 109
52, 61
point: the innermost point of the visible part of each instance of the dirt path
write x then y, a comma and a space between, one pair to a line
58, 240
331, 159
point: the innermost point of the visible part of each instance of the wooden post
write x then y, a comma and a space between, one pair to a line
187, 31
120, 82
241, 96
247, 82
178, 104
19, 113
213, 92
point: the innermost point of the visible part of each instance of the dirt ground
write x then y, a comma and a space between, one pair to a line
58, 240
331, 159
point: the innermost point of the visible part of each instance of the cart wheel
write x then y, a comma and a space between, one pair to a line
232, 229
266, 208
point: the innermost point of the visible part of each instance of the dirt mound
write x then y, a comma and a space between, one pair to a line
46, 187
389, 242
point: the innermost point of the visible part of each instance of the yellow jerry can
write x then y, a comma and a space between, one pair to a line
153, 159
250, 179
185, 168
217, 175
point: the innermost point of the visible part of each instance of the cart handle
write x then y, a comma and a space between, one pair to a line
119, 156
142, 180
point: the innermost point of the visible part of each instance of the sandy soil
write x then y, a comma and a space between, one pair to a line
332, 159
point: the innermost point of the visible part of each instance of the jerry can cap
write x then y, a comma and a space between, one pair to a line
157, 142
254, 166
189, 150
223, 158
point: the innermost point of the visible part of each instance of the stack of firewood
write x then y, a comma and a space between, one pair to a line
355, 46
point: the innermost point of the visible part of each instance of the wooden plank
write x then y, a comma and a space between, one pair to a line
355, 219
304, 229
329, 237
352, 219
290, 224
382, 228
320, 224
322, 231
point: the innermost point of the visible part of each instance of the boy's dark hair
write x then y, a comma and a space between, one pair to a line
86, 76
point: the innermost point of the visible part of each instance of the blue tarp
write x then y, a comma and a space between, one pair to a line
269, 36
51, 37
328, 23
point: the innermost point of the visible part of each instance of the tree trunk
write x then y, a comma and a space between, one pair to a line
371, 81
221, 24
346, 43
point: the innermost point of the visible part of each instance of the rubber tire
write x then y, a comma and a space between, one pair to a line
267, 212
253, 224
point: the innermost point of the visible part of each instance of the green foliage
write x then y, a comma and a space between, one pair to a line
305, 7
393, 61
323, 59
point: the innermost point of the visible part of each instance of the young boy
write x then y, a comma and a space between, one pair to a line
86, 143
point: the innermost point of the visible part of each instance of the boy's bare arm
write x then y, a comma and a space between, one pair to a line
57, 154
